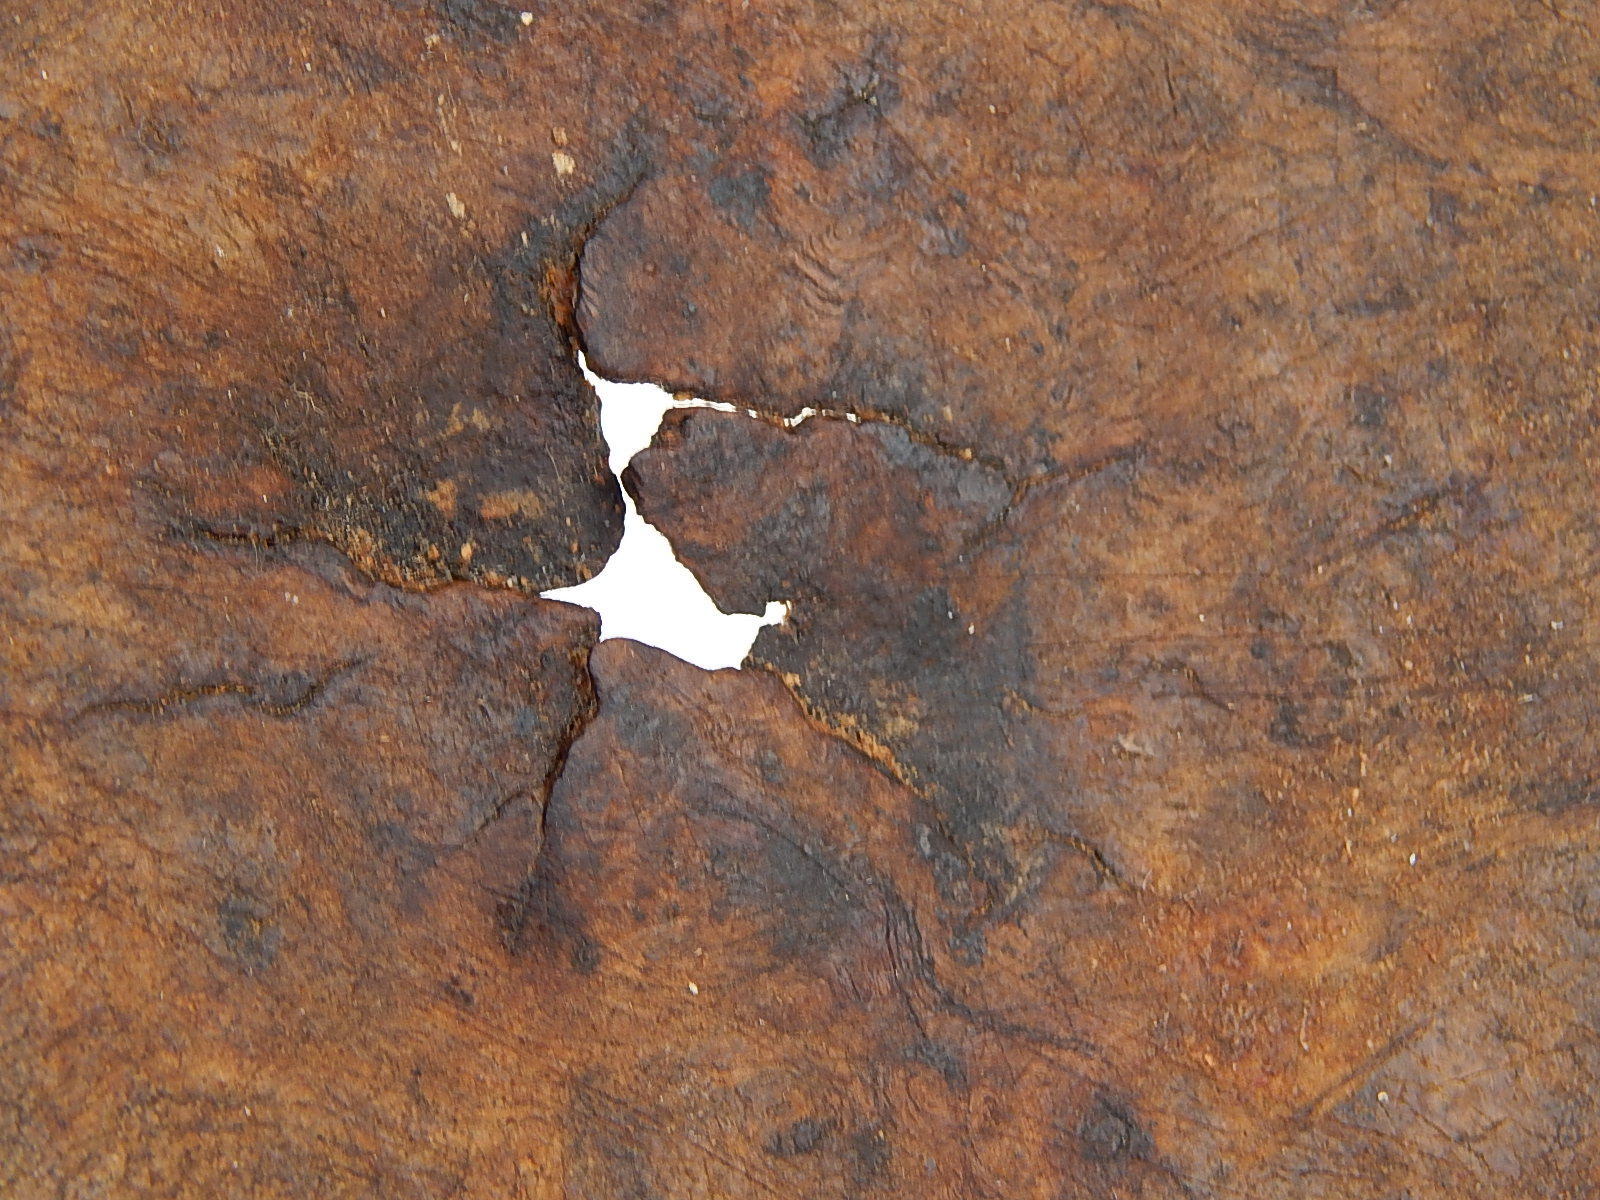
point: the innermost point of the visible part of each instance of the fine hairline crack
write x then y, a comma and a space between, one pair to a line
566, 293
1020, 483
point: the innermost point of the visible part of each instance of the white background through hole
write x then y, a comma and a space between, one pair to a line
644, 592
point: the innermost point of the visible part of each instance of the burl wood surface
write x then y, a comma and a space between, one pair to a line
1175, 779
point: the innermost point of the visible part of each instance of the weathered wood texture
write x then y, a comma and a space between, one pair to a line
1176, 778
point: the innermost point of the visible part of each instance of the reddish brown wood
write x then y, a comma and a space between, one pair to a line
1176, 777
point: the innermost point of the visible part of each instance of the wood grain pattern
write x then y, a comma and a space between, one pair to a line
1175, 779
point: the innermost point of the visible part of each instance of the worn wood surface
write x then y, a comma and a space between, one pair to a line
1176, 777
